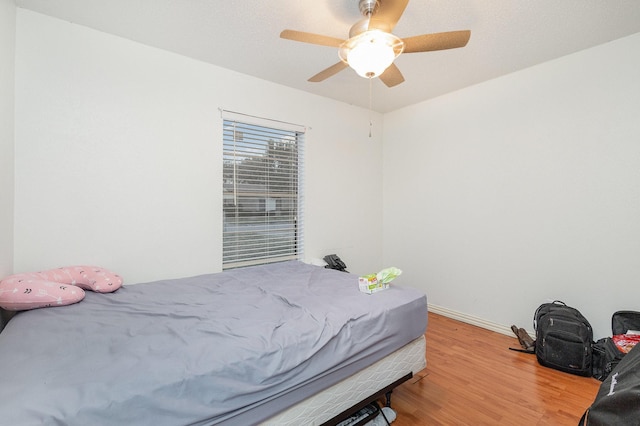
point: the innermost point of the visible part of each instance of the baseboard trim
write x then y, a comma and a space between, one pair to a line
470, 319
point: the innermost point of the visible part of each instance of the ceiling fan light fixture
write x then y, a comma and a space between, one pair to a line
371, 52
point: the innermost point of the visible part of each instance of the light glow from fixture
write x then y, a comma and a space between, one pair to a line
371, 52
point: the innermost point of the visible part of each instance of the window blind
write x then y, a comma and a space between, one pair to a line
262, 176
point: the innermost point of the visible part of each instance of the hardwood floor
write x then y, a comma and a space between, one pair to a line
472, 378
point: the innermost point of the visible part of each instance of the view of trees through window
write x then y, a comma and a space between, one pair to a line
261, 194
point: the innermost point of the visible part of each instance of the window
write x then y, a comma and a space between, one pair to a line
262, 194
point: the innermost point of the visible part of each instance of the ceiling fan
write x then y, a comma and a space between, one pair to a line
372, 48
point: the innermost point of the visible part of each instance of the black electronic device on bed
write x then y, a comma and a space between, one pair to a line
334, 262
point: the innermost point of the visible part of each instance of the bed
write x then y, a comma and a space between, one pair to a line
285, 343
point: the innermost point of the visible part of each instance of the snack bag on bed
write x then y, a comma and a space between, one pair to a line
376, 282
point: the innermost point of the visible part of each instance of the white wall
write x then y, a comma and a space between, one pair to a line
7, 55
522, 189
518, 190
119, 154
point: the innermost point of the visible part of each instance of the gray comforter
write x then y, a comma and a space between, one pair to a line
233, 348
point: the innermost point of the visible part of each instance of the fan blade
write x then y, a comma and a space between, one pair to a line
326, 73
311, 38
392, 76
388, 15
437, 41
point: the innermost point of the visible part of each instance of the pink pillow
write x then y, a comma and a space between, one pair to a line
42, 289
91, 278
22, 293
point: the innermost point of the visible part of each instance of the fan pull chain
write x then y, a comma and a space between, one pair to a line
370, 102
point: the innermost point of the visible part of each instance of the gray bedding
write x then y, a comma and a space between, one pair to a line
231, 348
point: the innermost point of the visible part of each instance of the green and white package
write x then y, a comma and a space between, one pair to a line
388, 274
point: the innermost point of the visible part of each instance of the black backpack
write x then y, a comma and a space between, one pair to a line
605, 358
563, 338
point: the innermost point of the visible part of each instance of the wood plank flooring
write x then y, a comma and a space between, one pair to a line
472, 378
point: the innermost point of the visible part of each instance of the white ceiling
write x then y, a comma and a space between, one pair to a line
243, 35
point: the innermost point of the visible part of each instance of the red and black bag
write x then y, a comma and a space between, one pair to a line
606, 354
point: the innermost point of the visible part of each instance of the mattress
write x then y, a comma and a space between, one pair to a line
324, 406
233, 348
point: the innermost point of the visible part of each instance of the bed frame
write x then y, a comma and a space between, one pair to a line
341, 400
